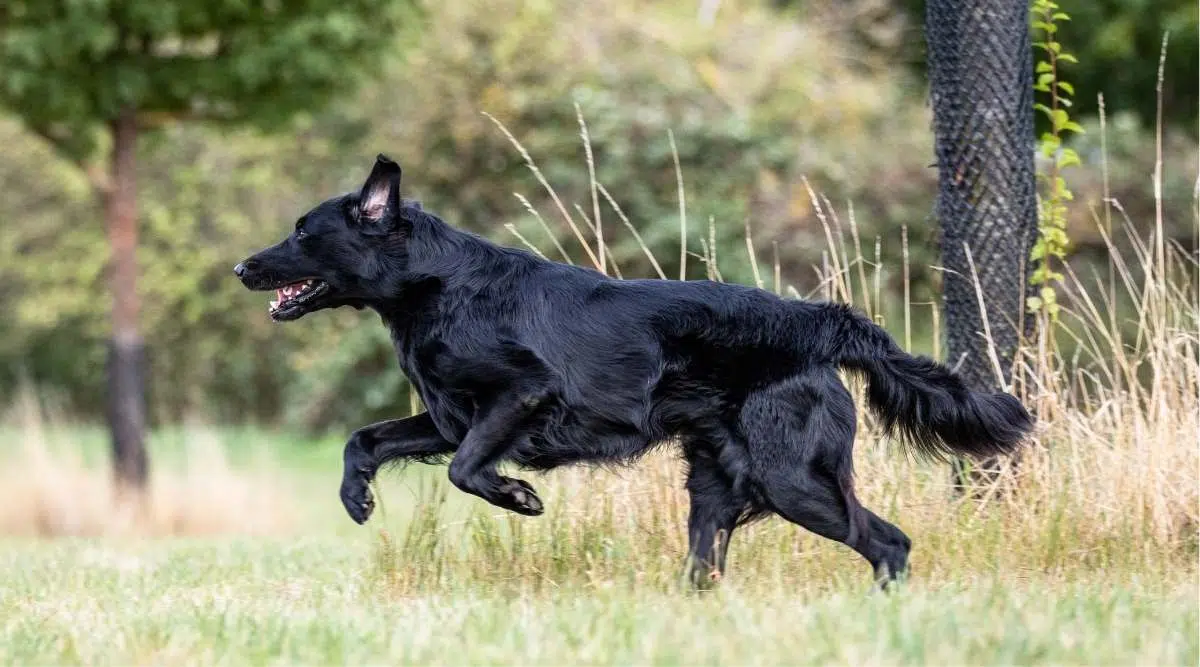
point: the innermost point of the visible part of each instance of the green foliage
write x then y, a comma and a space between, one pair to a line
66, 67
748, 122
1052, 243
1118, 43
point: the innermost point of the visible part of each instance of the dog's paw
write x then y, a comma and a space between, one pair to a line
357, 498
520, 497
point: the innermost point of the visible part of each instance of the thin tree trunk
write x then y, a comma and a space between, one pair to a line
126, 354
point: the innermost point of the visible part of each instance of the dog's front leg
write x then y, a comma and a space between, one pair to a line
474, 466
369, 447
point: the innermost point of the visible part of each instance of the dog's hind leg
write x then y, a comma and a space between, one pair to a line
800, 435
372, 446
716, 506
888, 548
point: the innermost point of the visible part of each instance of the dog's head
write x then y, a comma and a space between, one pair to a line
338, 251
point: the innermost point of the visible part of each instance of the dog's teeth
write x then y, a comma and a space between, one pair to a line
274, 304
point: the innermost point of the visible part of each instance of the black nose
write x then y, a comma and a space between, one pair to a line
242, 268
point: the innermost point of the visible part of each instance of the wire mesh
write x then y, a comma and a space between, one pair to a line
981, 86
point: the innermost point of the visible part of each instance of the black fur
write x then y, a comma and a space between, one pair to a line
520, 359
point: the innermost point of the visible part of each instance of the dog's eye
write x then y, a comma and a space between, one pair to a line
300, 233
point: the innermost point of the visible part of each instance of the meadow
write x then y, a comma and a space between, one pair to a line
248, 560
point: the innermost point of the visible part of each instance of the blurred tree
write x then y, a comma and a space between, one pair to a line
90, 76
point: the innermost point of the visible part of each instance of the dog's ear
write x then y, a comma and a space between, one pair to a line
379, 201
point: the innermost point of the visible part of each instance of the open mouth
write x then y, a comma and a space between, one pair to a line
292, 300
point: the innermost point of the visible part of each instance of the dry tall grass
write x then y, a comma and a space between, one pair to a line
47, 489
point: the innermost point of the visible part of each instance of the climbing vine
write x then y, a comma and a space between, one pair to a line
1055, 93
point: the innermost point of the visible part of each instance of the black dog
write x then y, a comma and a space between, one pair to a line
521, 359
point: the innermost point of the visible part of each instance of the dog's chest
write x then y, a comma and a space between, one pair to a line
451, 410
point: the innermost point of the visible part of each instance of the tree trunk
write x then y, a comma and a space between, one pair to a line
126, 353
981, 85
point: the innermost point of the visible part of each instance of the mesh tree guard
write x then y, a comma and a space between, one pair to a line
981, 85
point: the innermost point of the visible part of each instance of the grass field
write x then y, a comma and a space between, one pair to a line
440, 578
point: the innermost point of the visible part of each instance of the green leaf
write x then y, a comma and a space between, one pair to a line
1050, 144
1043, 66
1066, 87
1058, 118
1067, 158
1066, 57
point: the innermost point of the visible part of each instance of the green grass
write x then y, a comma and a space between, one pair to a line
320, 601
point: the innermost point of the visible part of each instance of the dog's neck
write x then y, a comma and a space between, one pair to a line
436, 249
438, 259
